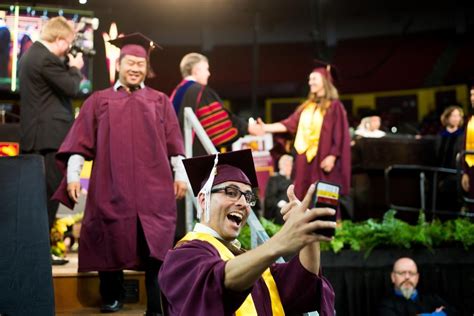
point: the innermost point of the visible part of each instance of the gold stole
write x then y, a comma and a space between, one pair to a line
248, 307
309, 130
470, 141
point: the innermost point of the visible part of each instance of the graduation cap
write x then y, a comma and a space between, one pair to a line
135, 44
206, 171
232, 166
327, 70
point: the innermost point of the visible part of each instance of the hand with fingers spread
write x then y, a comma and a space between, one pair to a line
301, 223
292, 202
301, 228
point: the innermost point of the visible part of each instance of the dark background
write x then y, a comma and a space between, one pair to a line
265, 48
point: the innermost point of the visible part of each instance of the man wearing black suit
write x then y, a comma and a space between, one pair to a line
47, 84
4, 46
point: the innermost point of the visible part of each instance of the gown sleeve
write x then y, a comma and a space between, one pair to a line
302, 291
81, 140
174, 137
192, 282
291, 122
222, 126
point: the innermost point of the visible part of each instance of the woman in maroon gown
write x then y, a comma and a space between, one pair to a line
322, 140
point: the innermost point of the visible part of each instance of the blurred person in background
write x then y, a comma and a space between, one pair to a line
322, 139
222, 126
49, 77
449, 142
467, 180
276, 190
370, 127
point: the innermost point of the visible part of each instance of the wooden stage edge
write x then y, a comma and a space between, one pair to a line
78, 293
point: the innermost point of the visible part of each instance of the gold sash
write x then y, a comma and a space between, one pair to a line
248, 307
309, 130
470, 141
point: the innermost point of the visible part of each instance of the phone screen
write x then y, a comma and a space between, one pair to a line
326, 195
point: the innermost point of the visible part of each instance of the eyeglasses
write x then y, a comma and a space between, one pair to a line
235, 194
410, 273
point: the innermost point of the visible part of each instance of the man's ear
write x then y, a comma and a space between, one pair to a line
117, 64
392, 276
200, 199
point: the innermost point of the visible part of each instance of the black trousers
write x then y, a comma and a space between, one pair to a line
112, 288
111, 282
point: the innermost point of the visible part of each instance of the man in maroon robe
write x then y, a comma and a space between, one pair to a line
131, 133
208, 274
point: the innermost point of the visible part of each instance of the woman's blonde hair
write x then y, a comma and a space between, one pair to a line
57, 27
331, 93
447, 113
189, 60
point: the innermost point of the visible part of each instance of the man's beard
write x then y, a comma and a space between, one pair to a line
407, 292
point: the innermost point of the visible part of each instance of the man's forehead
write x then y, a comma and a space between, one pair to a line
134, 58
405, 264
240, 185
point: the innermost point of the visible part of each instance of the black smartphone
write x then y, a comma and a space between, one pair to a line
326, 195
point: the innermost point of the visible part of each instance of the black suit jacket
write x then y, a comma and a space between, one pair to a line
46, 87
398, 306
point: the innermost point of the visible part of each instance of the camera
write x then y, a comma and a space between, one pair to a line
84, 40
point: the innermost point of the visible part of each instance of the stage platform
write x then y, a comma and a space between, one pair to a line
78, 293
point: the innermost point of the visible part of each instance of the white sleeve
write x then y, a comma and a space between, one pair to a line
74, 168
178, 168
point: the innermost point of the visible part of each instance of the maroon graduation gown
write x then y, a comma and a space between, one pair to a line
192, 282
334, 140
130, 137
468, 170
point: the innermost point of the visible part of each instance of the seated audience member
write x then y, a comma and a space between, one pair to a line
406, 300
370, 127
277, 186
208, 274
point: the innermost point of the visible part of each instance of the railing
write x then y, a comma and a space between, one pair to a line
422, 184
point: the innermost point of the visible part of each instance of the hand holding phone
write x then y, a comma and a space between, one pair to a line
326, 195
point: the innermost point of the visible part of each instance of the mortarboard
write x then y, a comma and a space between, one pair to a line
135, 44
232, 166
325, 69
206, 171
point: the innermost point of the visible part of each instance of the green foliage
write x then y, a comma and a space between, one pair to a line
244, 237
270, 227
389, 232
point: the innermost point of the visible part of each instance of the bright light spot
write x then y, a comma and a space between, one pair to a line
394, 130
82, 1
